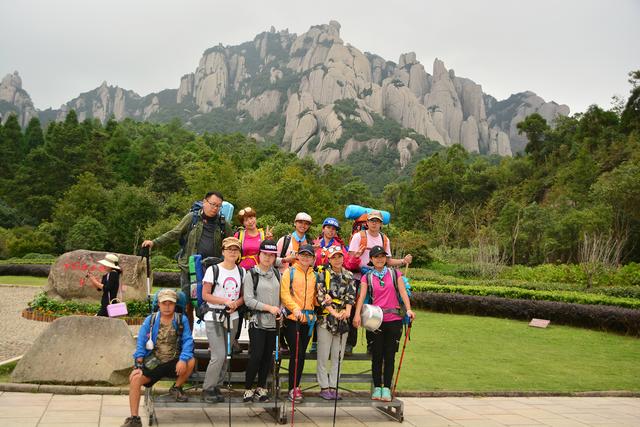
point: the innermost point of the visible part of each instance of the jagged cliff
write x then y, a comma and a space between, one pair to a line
311, 92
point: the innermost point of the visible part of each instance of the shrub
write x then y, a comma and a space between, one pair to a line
521, 293
161, 261
35, 255
48, 305
628, 275
87, 233
615, 319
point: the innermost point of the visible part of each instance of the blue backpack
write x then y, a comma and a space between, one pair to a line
181, 303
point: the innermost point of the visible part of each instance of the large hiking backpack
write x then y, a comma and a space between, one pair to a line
181, 302
203, 307
394, 276
196, 207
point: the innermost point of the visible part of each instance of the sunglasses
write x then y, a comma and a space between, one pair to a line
245, 211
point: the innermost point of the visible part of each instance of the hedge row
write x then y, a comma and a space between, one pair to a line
169, 279
521, 293
614, 291
615, 319
51, 306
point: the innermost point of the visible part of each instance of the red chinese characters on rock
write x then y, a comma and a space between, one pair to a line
86, 268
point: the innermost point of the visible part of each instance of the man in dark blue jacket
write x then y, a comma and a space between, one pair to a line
164, 349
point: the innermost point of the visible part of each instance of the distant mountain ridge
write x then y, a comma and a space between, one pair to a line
315, 95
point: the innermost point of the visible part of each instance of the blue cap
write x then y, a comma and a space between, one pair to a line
331, 221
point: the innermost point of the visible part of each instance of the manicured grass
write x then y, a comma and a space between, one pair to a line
466, 353
23, 280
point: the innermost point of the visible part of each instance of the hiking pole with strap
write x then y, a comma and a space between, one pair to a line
146, 253
335, 403
407, 334
295, 372
229, 361
276, 365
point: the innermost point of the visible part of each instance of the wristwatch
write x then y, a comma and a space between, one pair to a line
138, 365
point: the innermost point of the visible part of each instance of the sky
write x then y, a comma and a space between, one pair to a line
574, 52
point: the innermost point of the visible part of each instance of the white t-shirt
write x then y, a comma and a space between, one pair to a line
228, 286
354, 246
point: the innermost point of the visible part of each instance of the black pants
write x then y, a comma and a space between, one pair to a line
384, 346
352, 338
302, 349
262, 342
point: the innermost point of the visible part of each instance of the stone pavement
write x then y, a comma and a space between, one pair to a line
48, 410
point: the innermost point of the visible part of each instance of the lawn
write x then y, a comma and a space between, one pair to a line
466, 353
23, 280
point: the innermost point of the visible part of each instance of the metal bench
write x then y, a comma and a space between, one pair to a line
279, 411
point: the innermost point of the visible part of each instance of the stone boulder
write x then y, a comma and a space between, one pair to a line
79, 350
66, 277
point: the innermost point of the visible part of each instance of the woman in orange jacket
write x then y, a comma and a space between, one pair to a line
298, 296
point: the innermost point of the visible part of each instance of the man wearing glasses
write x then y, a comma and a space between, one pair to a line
202, 233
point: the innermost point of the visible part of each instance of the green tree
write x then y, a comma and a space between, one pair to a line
534, 127
87, 233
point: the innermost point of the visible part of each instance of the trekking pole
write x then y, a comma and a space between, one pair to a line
146, 253
335, 403
276, 365
295, 372
404, 346
229, 362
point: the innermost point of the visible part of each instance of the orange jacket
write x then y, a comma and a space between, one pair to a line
301, 281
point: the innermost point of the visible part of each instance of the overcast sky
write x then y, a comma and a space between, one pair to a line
574, 52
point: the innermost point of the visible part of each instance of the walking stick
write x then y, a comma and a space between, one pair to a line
404, 346
335, 403
146, 253
229, 362
295, 372
276, 365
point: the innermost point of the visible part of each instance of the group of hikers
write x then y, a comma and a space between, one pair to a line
289, 291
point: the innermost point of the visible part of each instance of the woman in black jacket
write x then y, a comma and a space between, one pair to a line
109, 284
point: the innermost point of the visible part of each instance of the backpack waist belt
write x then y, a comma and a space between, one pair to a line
391, 310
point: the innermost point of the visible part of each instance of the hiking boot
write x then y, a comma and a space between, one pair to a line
262, 394
248, 396
178, 394
212, 396
326, 394
348, 350
235, 347
386, 394
132, 421
377, 393
314, 347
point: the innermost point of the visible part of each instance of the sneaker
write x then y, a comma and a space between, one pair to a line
262, 394
386, 394
335, 394
133, 421
248, 396
295, 395
327, 394
377, 394
348, 350
314, 347
178, 394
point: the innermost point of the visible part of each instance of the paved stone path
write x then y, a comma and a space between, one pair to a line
49, 410
16, 333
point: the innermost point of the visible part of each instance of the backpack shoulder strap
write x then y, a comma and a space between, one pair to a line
261, 231
370, 285
241, 235
216, 273
291, 271
177, 317
385, 240
285, 245
255, 276
363, 239
277, 273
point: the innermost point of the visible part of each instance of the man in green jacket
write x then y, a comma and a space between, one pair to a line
203, 237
